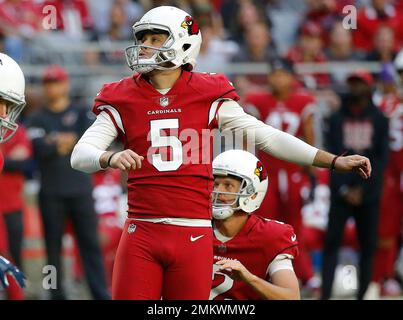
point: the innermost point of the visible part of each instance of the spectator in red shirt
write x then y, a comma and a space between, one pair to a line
384, 45
21, 17
370, 18
309, 49
325, 13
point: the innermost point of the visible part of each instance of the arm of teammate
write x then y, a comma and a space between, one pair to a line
90, 155
283, 285
284, 146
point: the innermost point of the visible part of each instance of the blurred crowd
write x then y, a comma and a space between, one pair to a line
89, 33
299, 46
89, 37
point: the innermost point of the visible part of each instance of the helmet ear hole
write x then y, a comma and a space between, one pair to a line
186, 46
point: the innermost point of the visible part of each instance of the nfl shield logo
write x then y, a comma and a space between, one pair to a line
164, 101
222, 248
131, 228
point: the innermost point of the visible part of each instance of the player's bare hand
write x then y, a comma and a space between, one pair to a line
354, 163
235, 269
126, 160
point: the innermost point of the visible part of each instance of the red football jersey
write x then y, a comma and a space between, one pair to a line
159, 127
285, 115
255, 246
392, 107
12, 183
1, 162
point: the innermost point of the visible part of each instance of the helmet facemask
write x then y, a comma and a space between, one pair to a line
8, 125
161, 57
224, 210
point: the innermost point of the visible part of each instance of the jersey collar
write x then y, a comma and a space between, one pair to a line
147, 88
252, 220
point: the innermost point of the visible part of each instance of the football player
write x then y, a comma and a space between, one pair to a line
253, 255
169, 199
291, 110
12, 101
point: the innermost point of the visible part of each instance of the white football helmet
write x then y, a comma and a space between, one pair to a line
181, 47
12, 89
254, 181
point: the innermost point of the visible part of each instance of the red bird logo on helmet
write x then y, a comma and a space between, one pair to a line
191, 25
260, 171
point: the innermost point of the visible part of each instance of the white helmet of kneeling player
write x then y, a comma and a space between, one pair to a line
181, 48
12, 90
246, 168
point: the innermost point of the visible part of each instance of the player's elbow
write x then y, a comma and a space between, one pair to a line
79, 160
285, 294
293, 295
75, 159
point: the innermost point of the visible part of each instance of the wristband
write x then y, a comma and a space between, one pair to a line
110, 158
333, 165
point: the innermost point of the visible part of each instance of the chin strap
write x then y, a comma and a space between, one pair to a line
221, 213
143, 68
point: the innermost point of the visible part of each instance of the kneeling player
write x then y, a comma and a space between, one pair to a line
253, 255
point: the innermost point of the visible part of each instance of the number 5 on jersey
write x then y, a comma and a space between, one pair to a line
159, 141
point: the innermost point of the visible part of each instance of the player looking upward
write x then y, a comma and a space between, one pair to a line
168, 238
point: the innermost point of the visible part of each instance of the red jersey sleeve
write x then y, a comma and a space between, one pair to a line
221, 89
105, 100
105, 97
288, 242
100, 100
1, 161
283, 240
226, 88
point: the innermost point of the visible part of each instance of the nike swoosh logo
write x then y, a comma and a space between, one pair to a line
196, 238
293, 238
